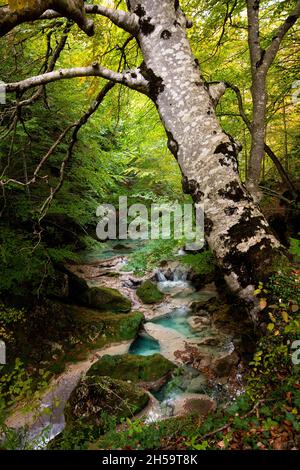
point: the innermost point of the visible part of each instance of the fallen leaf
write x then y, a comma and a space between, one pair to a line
285, 316
263, 303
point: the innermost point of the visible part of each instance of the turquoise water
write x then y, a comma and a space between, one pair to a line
144, 346
177, 320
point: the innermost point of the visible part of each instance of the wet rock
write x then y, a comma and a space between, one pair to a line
182, 291
222, 365
209, 341
205, 362
197, 384
189, 403
198, 324
148, 293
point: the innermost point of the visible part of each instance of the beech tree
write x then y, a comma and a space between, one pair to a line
235, 228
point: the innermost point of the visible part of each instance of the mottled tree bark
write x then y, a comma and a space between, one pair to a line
236, 230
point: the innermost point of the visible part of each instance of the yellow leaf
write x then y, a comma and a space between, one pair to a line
270, 326
272, 318
276, 333
285, 316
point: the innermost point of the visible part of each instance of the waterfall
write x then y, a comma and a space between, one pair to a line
179, 275
160, 276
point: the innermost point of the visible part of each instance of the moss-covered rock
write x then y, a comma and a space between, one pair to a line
148, 293
108, 299
103, 298
99, 395
96, 405
134, 368
104, 327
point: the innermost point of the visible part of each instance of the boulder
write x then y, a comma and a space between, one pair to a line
150, 371
108, 299
197, 384
78, 289
102, 298
198, 323
96, 396
190, 403
209, 341
170, 340
222, 365
148, 293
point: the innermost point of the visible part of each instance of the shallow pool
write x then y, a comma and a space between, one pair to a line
144, 346
177, 320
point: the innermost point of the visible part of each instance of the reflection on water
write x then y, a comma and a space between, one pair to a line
177, 320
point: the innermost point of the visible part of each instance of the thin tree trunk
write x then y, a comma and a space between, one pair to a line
258, 131
285, 136
246, 153
235, 229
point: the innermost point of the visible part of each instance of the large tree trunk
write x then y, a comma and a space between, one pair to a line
236, 230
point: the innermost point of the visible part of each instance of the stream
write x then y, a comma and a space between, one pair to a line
169, 327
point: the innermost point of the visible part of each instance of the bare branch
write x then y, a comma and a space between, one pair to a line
122, 19
131, 78
216, 91
50, 67
72, 9
77, 126
279, 35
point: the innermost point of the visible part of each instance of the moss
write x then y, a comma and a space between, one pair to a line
113, 328
134, 368
95, 396
96, 405
106, 298
148, 293
75, 330
201, 263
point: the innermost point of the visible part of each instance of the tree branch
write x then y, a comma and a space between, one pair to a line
279, 34
131, 78
77, 126
13, 14
216, 91
50, 67
75, 10
122, 19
